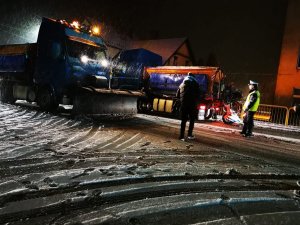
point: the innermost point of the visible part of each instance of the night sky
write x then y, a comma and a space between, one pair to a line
244, 36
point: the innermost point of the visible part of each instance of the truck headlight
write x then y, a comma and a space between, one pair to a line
84, 59
104, 63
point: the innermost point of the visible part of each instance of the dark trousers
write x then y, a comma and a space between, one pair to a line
248, 123
187, 113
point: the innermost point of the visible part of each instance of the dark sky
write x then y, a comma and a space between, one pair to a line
245, 36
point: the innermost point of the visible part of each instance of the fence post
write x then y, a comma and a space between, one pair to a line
287, 116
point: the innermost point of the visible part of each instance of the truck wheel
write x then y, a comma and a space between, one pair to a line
143, 106
6, 92
140, 107
46, 99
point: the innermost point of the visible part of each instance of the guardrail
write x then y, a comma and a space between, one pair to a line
293, 119
272, 114
277, 114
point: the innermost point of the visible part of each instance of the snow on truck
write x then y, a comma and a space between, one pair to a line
67, 65
161, 84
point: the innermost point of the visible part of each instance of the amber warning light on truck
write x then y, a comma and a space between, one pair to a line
96, 30
75, 24
93, 30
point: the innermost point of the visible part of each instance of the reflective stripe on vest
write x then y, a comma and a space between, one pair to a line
256, 104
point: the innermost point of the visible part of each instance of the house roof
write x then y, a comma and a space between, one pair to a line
163, 47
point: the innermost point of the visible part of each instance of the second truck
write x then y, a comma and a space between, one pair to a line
161, 84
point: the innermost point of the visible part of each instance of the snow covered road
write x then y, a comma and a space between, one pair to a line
54, 168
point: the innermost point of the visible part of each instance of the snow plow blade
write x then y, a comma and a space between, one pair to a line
105, 102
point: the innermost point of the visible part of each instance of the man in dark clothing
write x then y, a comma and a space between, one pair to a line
250, 107
296, 108
188, 92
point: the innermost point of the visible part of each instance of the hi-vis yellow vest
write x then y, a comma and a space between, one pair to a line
256, 104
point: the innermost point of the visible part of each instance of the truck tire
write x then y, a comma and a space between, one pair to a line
6, 92
46, 99
140, 108
143, 105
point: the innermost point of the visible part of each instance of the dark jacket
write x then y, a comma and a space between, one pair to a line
298, 109
189, 92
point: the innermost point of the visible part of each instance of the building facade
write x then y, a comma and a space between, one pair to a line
287, 91
174, 51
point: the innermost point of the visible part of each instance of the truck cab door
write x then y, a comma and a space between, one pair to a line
51, 66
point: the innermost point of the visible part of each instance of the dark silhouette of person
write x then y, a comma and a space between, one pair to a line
189, 94
296, 108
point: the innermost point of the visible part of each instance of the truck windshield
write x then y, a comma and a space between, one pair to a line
77, 49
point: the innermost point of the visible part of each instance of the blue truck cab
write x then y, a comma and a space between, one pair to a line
65, 57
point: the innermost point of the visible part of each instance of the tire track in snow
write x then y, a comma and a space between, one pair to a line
113, 141
5, 107
59, 123
19, 114
51, 121
78, 142
40, 133
84, 137
20, 151
35, 115
130, 142
126, 140
20, 162
36, 127
63, 141
4, 113
98, 143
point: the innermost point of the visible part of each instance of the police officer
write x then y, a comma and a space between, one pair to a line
189, 93
250, 107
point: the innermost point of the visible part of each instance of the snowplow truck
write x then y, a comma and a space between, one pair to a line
67, 65
161, 85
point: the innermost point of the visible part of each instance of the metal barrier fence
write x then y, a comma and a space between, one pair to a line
293, 119
272, 114
277, 114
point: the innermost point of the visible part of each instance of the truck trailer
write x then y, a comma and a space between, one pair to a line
161, 85
67, 65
